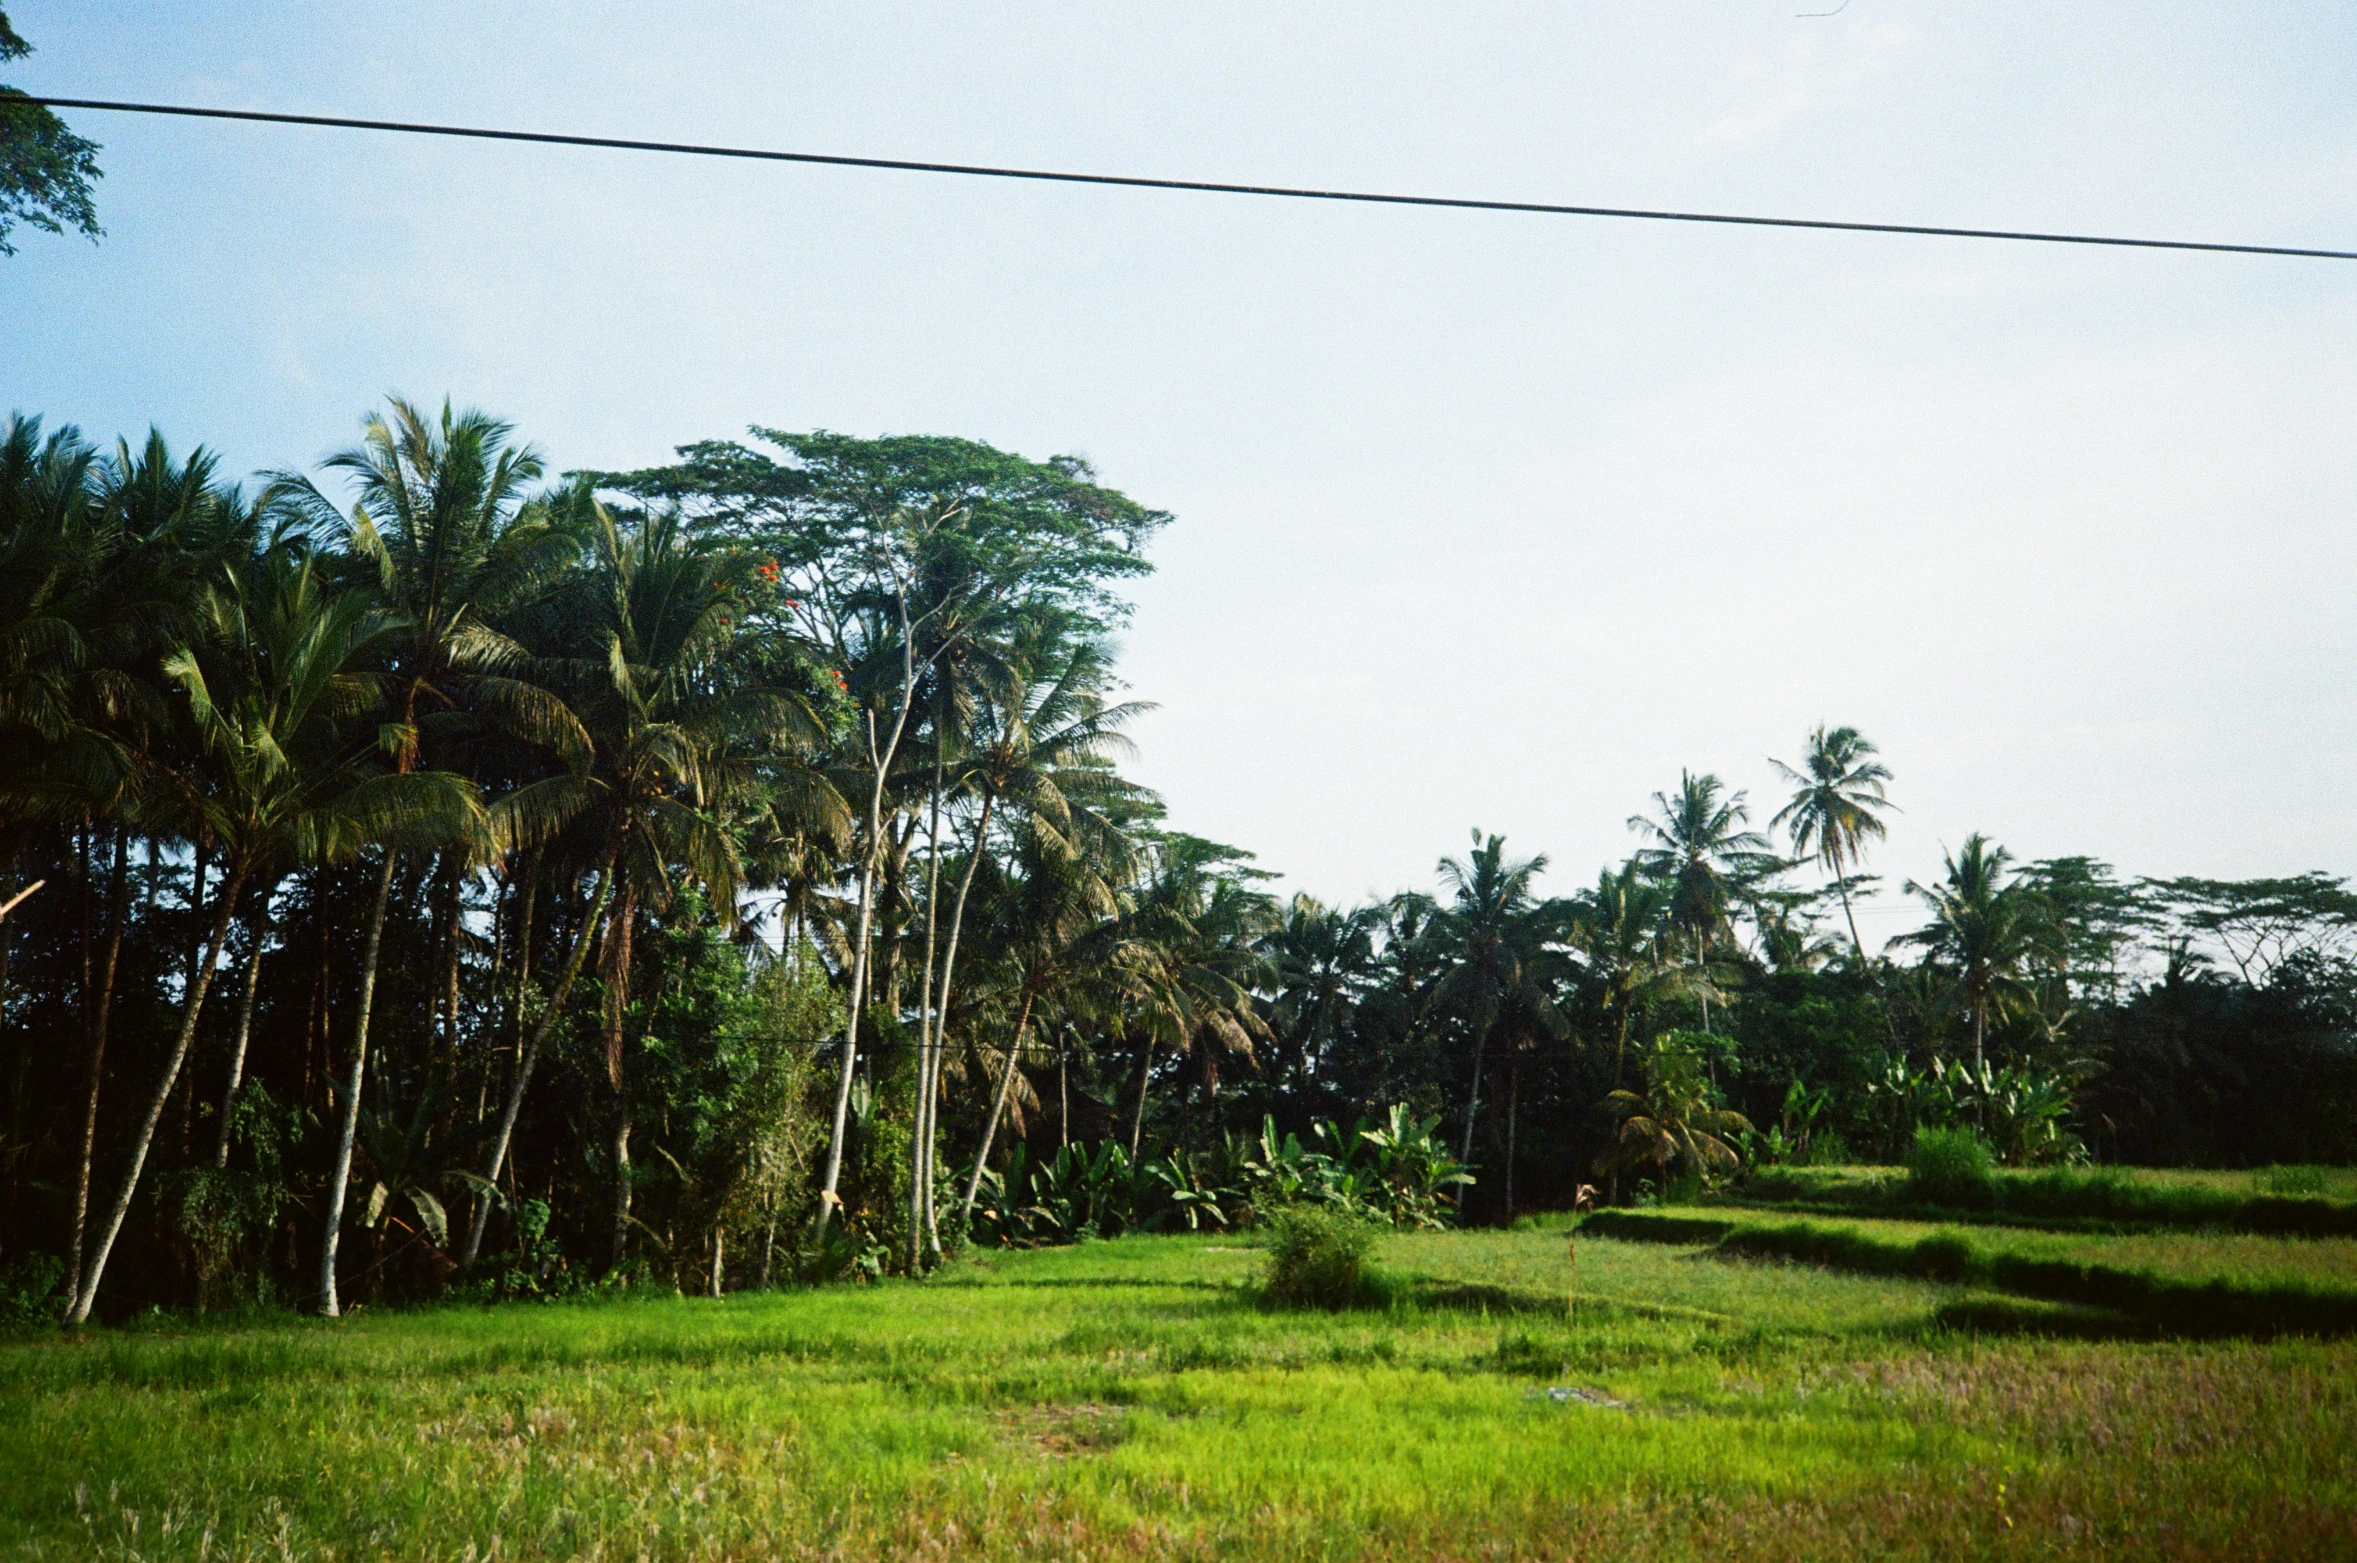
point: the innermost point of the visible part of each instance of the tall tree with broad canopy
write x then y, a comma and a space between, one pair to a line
889, 555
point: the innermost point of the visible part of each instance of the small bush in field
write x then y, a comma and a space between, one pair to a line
1951, 1167
2292, 1182
1317, 1258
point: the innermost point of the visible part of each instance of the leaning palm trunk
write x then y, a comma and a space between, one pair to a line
86, 1291
921, 1129
350, 1124
827, 1198
530, 1054
617, 1002
1472, 1106
245, 1027
118, 908
1842, 882
949, 963
1137, 1123
998, 1107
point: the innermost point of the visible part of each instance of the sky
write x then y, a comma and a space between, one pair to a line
1482, 520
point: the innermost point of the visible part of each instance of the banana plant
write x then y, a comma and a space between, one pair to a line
1414, 1169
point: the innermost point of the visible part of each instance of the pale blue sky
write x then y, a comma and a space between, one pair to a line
1481, 519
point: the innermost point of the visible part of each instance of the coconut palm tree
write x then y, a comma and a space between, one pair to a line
1493, 937
439, 512
1697, 845
281, 770
1053, 921
1676, 1119
1321, 963
1985, 930
1621, 930
1835, 807
680, 748
1191, 961
1032, 731
1701, 851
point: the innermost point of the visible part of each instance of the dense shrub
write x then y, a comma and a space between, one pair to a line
1951, 1167
2292, 1182
31, 1292
1317, 1258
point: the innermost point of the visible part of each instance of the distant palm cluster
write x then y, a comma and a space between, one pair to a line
426, 875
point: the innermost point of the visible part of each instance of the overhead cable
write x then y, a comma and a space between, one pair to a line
1188, 186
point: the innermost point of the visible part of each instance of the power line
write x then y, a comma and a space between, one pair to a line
1191, 186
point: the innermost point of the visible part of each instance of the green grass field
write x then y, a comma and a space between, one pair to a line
1131, 1399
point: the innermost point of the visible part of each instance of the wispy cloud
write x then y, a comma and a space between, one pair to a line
1812, 74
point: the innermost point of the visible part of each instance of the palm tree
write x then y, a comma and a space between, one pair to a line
1676, 1118
1054, 926
104, 555
1789, 940
1191, 961
1699, 848
1985, 930
1322, 961
436, 513
1701, 851
678, 746
1837, 793
1621, 929
1035, 737
280, 772
1496, 940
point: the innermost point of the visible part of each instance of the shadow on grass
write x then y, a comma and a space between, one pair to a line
2014, 1316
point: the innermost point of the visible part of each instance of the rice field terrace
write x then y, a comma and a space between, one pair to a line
1140, 1398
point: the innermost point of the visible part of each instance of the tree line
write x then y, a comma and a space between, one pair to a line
433, 872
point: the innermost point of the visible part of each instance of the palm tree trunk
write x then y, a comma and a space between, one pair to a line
1472, 1106
921, 1129
245, 1027
529, 1051
86, 1292
617, 1000
349, 1126
1513, 1122
118, 910
998, 1106
718, 1271
1980, 1025
523, 937
619, 1242
860, 955
453, 909
200, 857
949, 963
1842, 882
1137, 1122
768, 1240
